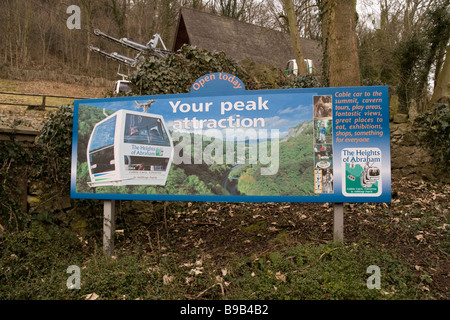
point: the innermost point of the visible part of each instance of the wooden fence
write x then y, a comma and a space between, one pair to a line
43, 97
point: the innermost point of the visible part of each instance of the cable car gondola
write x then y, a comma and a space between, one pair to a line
130, 148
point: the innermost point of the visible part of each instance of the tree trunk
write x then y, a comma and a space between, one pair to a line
341, 62
87, 6
8, 46
443, 82
295, 36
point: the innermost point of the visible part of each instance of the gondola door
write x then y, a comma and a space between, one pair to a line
101, 152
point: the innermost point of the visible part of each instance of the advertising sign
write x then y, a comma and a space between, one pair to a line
221, 142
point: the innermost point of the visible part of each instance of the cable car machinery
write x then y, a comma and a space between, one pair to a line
148, 49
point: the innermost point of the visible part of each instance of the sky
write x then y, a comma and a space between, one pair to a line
279, 111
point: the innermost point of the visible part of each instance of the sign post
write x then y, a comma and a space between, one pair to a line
109, 226
221, 142
338, 222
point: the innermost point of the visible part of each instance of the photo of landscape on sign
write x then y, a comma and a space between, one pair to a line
217, 143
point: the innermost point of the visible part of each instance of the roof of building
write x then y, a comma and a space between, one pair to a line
240, 40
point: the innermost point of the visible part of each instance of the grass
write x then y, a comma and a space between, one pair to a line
33, 265
326, 271
47, 87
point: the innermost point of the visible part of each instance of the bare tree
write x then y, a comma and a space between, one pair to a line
295, 37
442, 82
341, 62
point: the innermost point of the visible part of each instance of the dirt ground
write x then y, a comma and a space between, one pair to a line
415, 226
46, 87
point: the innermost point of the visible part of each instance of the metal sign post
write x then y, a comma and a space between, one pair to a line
338, 225
109, 226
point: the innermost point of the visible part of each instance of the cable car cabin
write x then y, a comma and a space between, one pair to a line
370, 175
292, 68
122, 86
129, 148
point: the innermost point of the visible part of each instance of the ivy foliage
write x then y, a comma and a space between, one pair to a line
54, 146
15, 162
304, 81
177, 73
433, 129
46, 163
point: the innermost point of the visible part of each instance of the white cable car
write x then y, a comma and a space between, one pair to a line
292, 68
370, 175
122, 86
130, 148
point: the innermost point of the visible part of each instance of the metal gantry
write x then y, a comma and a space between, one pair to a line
149, 49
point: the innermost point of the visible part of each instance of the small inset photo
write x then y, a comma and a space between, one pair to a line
323, 156
327, 181
322, 107
323, 131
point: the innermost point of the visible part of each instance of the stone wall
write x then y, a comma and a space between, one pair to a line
409, 157
29, 118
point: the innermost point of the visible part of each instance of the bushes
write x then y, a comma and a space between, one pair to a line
15, 162
304, 81
178, 72
54, 147
320, 272
44, 165
434, 130
33, 265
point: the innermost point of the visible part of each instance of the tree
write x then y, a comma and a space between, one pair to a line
406, 48
295, 36
119, 10
87, 6
232, 8
442, 83
341, 62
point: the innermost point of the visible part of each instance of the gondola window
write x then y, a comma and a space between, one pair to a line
101, 151
145, 130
